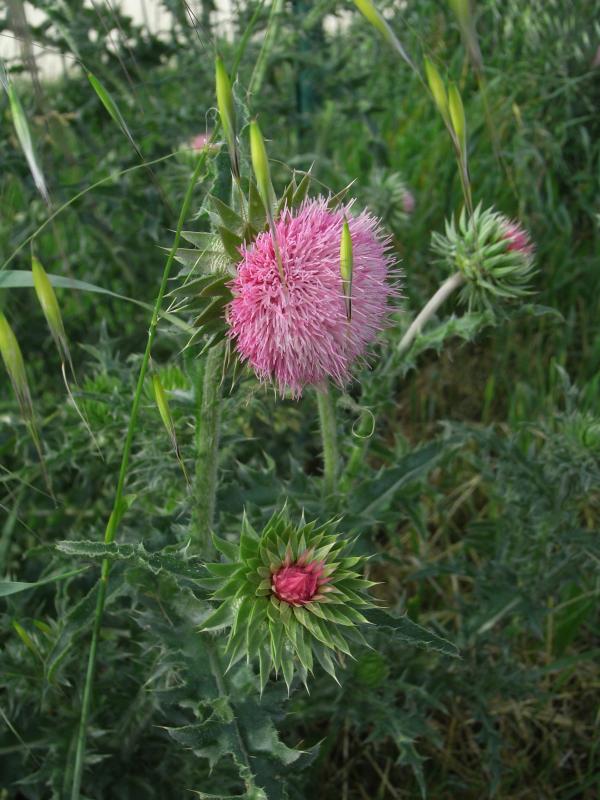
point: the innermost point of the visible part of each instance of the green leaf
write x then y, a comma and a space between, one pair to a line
13, 587
177, 566
225, 217
221, 618
371, 496
302, 190
78, 619
405, 630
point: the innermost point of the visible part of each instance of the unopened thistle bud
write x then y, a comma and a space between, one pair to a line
346, 266
226, 108
492, 252
289, 595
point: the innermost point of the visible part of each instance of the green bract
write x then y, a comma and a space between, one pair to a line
481, 249
283, 635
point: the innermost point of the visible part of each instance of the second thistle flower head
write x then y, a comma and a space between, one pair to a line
297, 332
291, 595
494, 254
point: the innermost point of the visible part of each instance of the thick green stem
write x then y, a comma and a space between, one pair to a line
329, 439
117, 511
208, 423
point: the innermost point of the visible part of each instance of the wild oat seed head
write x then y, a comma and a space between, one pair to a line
299, 334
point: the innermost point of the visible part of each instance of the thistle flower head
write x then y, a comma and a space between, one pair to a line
290, 595
388, 195
298, 333
493, 253
516, 237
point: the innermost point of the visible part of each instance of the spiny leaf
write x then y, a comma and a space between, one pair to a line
404, 629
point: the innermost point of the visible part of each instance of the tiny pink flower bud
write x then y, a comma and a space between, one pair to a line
408, 202
517, 237
296, 584
200, 141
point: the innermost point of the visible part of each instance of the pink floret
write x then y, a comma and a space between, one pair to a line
299, 334
297, 584
517, 237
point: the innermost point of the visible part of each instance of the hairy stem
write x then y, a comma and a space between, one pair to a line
208, 423
429, 309
329, 439
117, 511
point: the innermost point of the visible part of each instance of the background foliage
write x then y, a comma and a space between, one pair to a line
479, 494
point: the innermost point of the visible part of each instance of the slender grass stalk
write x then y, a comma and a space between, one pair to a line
429, 309
74, 199
331, 457
208, 424
118, 506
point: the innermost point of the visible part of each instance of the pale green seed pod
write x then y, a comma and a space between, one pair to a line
163, 407
347, 266
457, 116
260, 166
262, 173
372, 15
437, 88
226, 108
462, 10
160, 396
15, 366
47, 298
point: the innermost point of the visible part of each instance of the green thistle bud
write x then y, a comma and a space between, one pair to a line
289, 595
346, 267
493, 253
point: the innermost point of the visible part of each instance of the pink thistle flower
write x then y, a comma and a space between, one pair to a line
516, 237
298, 584
408, 202
299, 334
200, 141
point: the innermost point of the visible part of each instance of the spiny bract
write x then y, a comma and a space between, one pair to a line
493, 253
288, 594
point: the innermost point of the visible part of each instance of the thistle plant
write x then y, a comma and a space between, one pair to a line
290, 595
